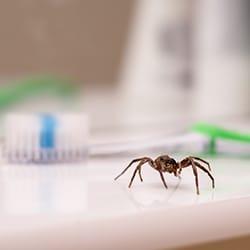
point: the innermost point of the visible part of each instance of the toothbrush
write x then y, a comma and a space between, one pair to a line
49, 138
203, 138
45, 138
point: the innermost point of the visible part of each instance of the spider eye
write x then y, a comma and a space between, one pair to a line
172, 161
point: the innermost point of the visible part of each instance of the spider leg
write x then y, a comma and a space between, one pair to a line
179, 170
131, 181
163, 180
137, 169
130, 164
205, 170
196, 176
199, 159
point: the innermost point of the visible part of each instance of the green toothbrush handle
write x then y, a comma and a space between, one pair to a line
218, 132
215, 132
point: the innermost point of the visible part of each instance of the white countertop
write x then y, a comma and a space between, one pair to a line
83, 207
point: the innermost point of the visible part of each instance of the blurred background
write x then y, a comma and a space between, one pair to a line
137, 68
138, 65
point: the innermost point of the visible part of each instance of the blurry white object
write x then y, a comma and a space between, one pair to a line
222, 65
45, 137
156, 72
189, 142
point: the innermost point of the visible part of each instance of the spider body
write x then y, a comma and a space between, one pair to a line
165, 163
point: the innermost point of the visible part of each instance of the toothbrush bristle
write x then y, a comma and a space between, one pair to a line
45, 138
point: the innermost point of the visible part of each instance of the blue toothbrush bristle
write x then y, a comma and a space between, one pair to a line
45, 138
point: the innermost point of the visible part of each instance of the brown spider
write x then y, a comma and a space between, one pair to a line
164, 163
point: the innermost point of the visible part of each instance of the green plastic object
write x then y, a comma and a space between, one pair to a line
20, 90
215, 132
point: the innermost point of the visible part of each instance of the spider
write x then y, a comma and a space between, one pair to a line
164, 163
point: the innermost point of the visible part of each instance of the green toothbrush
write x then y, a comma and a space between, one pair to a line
204, 138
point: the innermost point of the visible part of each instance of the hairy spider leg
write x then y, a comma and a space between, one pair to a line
189, 162
131, 163
205, 170
163, 179
199, 159
137, 169
140, 174
151, 163
196, 176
